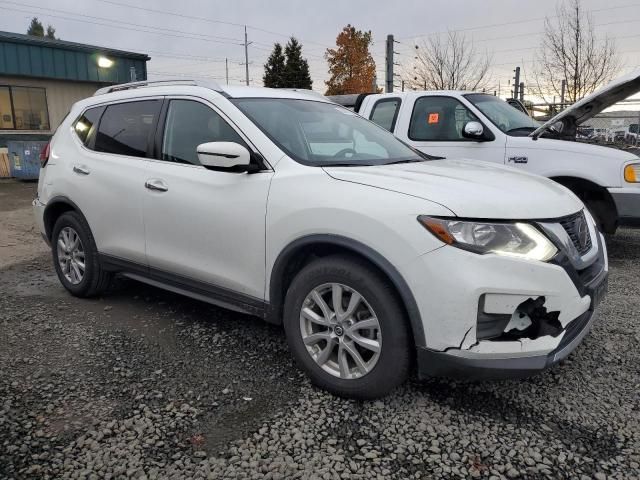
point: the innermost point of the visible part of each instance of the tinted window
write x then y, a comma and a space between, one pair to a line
125, 128
23, 108
385, 113
188, 125
438, 119
84, 124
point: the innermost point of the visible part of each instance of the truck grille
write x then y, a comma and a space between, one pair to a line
578, 230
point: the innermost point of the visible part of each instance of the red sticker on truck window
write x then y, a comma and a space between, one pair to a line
433, 118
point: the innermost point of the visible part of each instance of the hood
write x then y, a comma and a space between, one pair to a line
469, 188
592, 104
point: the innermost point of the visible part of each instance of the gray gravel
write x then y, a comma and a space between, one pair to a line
146, 384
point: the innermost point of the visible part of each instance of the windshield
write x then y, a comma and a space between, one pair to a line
507, 118
325, 134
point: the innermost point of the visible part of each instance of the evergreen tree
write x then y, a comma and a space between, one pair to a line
296, 71
274, 69
36, 28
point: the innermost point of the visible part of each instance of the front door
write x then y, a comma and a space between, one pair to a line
435, 127
203, 226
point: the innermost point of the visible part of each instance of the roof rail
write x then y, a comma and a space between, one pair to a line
158, 83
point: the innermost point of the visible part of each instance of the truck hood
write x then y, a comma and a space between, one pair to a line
592, 104
469, 188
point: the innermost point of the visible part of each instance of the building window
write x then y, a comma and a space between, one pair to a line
23, 108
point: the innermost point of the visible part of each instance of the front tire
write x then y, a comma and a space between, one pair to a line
75, 257
346, 328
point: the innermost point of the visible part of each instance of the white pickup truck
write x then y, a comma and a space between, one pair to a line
479, 126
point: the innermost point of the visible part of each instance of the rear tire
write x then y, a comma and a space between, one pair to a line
367, 332
75, 256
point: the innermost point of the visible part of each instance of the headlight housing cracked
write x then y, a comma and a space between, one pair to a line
521, 240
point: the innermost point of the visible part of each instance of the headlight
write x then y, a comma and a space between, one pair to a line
632, 173
510, 239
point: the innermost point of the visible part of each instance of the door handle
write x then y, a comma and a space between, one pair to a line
156, 185
81, 170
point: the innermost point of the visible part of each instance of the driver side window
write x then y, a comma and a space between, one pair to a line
439, 119
190, 123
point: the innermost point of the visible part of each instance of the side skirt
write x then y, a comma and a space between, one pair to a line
189, 287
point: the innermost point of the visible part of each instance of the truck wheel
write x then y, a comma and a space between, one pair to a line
75, 257
346, 328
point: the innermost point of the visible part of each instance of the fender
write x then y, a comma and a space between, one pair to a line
277, 274
54, 203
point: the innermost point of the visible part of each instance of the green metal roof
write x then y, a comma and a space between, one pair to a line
38, 57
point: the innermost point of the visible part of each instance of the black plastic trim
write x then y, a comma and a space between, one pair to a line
277, 274
216, 294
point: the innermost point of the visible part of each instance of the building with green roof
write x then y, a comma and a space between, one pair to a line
41, 78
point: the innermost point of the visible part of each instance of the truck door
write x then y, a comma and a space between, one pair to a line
434, 123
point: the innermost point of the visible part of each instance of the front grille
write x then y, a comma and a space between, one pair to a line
578, 230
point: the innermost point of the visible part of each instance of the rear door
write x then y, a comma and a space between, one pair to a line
434, 123
108, 173
204, 228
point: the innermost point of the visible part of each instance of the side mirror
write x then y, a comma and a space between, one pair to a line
224, 156
473, 130
557, 127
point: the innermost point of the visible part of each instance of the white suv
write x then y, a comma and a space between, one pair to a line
283, 205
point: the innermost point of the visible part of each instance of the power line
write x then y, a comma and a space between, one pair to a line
208, 20
137, 29
517, 22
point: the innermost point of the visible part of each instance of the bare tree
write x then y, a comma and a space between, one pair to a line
572, 52
451, 63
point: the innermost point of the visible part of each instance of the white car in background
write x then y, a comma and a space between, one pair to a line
455, 124
285, 206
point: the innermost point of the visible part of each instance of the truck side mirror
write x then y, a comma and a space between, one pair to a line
473, 130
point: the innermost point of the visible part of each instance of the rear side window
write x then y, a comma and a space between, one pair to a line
439, 119
190, 123
85, 124
127, 128
385, 113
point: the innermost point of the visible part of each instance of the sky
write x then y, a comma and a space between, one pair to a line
192, 38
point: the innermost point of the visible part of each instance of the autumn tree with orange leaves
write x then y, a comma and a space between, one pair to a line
351, 65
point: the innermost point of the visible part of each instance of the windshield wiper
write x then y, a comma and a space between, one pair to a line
407, 160
517, 129
346, 164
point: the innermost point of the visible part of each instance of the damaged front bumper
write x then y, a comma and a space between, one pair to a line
515, 333
517, 359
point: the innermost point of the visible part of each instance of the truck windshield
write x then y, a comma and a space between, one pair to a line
508, 119
324, 134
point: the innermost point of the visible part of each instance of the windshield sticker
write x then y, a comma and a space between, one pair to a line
433, 118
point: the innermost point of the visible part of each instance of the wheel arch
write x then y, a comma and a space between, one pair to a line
299, 252
588, 189
56, 207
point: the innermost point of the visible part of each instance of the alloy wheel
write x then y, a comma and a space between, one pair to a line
71, 257
340, 331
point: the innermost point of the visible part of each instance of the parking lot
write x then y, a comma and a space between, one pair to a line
142, 383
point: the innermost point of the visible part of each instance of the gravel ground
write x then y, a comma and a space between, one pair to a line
142, 383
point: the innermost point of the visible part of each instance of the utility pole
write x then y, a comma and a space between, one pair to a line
374, 84
562, 92
522, 91
516, 83
246, 55
226, 69
389, 65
